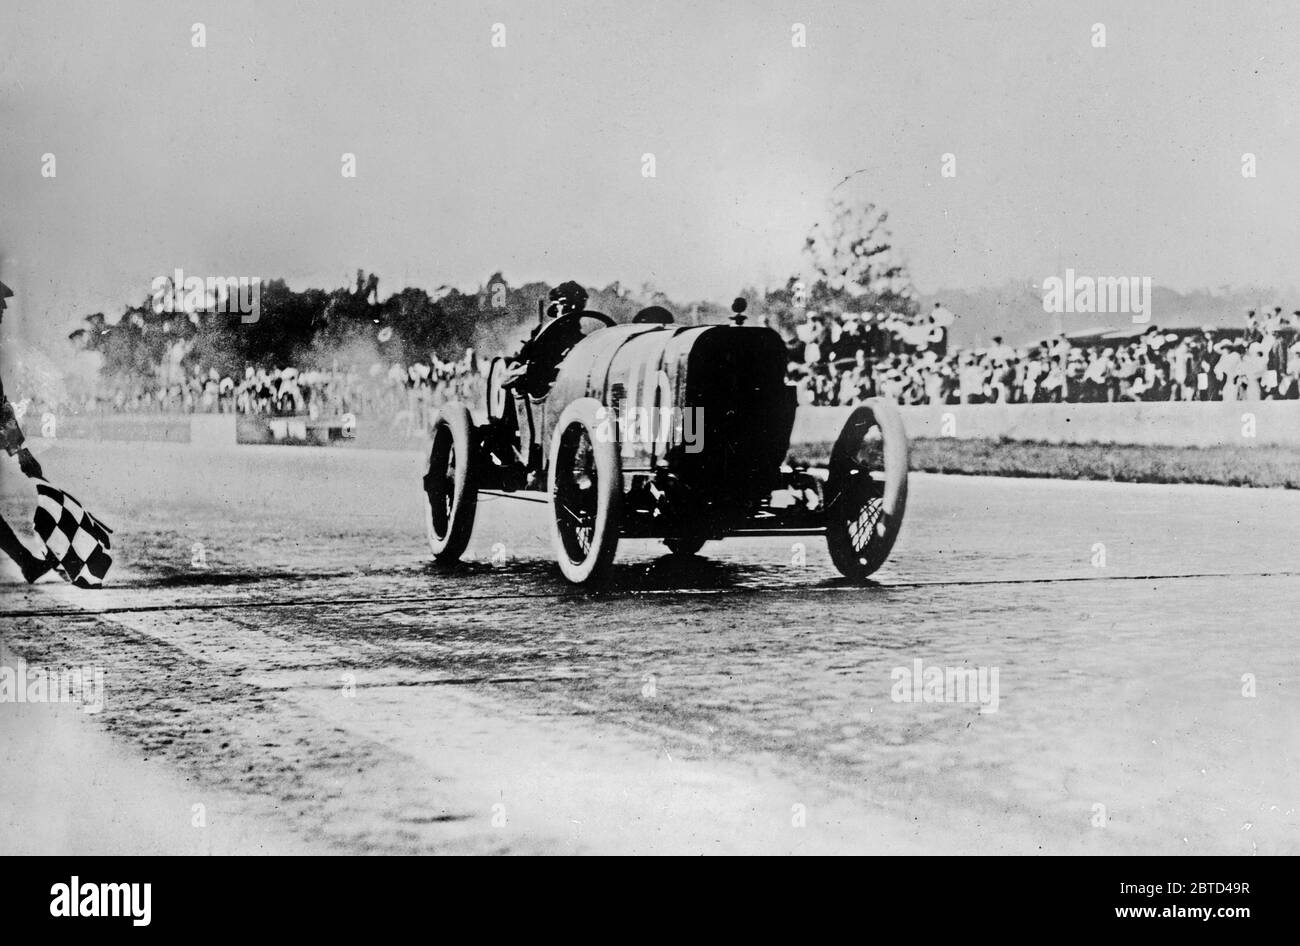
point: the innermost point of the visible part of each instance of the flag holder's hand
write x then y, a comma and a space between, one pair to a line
27, 463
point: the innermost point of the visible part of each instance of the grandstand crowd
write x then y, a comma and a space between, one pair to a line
842, 358
835, 358
405, 396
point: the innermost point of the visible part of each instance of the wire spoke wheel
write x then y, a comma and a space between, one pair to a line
586, 485
439, 482
451, 499
575, 492
866, 489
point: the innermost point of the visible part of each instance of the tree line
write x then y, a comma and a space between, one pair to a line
851, 266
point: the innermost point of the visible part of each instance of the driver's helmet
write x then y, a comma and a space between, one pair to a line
565, 299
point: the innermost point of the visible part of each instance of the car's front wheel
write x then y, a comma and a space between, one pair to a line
586, 490
450, 497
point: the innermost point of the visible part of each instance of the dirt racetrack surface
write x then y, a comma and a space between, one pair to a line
278, 648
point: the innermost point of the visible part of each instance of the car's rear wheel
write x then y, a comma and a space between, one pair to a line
450, 498
866, 489
684, 546
586, 489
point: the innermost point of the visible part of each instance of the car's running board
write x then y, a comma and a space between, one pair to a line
527, 495
792, 530
537, 496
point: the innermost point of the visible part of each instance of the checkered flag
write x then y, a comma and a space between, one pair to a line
75, 541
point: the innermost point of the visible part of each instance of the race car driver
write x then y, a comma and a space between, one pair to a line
534, 367
11, 439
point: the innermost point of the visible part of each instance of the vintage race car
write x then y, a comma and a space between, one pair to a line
664, 431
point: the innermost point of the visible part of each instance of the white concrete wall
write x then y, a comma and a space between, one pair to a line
1177, 424
212, 431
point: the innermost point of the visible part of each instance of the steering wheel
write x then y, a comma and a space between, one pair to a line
549, 346
600, 317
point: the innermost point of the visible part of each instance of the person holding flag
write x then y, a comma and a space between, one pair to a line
12, 440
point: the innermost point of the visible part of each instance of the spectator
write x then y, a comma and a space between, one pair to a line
1227, 369
1002, 374
834, 358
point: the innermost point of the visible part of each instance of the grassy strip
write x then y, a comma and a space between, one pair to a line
1260, 466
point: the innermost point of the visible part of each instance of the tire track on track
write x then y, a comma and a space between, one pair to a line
610, 596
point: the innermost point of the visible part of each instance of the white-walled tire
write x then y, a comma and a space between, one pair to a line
586, 491
866, 489
450, 499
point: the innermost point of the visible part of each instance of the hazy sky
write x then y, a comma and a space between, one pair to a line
226, 160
